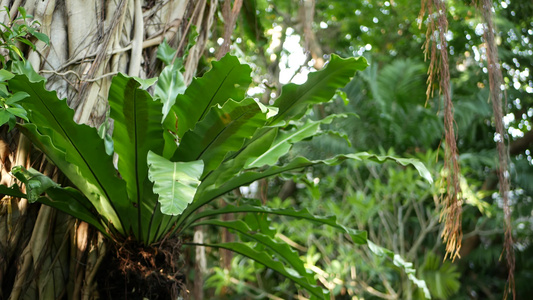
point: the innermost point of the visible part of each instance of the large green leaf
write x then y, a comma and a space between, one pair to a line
291, 105
266, 260
137, 130
279, 250
319, 87
224, 129
255, 147
358, 236
145, 83
165, 53
5, 116
208, 190
284, 140
5, 75
227, 79
68, 200
106, 137
25, 68
105, 208
174, 182
170, 84
13, 191
35, 182
75, 148
74, 203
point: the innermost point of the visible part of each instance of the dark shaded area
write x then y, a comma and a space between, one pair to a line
135, 272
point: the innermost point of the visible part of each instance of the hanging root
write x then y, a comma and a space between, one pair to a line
495, 82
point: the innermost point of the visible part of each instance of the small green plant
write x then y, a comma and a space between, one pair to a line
10, 109
11, 35
181, 149
19, 32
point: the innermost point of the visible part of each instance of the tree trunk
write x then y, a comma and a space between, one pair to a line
45, 254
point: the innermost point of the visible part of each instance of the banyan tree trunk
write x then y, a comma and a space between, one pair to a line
45, 254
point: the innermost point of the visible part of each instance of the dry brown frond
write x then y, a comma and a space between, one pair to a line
437, 49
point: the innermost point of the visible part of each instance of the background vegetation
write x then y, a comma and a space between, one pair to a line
391, 115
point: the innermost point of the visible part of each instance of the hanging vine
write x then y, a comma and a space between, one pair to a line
495, 84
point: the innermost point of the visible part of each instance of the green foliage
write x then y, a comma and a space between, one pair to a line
170, 82
219, 142
442, 278
174, 182
242, 270
295, 99
392, 115
10, 109
137, 130
370, 196
283, 141
65, 199
35, 182
169, 85
13, 191
76, 149
18, 32
228, 79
